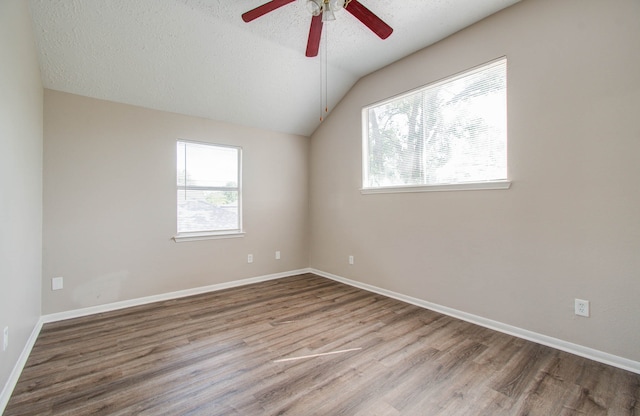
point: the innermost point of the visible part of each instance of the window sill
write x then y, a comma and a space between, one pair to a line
181, 238
467, 186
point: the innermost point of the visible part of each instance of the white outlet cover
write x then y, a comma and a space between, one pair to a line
5, 338
250, 258
582, 307
57, 283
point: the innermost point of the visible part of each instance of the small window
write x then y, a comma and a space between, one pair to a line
208, 190
452, 132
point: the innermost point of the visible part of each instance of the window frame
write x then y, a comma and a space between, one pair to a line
458, 186
210, 234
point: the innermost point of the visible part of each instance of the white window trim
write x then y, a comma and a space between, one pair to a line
184, 237
220, 234
467, 186
500, 184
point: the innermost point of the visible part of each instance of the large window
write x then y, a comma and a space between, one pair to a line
208, 190
452, 132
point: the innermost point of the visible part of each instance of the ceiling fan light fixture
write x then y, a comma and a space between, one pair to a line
336, 5
327, 15
314, 7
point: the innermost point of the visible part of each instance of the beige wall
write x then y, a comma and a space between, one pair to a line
110, 209
570, 225
20, 181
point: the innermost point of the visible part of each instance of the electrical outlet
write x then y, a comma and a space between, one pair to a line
277, 255
250, 258
582, 307
350, 259
57, 283
5, 338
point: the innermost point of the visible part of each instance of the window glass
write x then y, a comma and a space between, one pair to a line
450, 132
208, 188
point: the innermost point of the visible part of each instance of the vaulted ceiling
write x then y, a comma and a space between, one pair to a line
197, 57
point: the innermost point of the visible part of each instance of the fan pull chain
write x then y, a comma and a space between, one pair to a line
323, 76
326, 71
321, 99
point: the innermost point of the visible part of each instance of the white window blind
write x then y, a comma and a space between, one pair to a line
450, 132
208, 188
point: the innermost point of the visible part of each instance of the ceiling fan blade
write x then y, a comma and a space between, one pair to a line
315, 33
264, 9
369, 19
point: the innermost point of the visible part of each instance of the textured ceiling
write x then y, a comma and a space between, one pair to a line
197, 57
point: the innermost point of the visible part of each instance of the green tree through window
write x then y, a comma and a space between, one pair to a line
453, 131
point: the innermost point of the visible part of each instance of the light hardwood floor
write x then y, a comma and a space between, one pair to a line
304, 345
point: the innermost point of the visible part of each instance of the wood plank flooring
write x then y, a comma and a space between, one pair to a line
304, 345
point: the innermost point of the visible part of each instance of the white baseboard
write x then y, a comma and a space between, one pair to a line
77, 313
17, 369
559, 344
582, 351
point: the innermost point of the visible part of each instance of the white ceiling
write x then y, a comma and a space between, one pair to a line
197, 57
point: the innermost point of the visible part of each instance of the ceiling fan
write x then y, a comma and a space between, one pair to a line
323, 11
